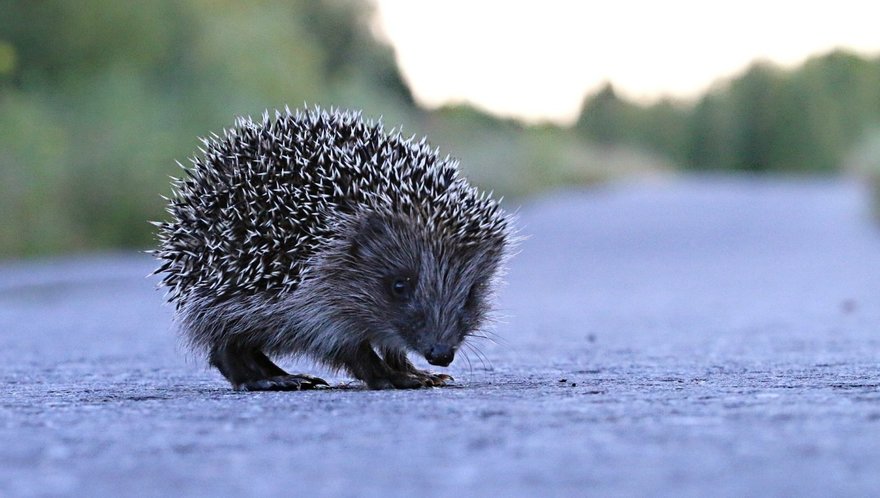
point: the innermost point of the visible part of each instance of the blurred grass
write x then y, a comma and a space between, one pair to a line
98, 99
516, 160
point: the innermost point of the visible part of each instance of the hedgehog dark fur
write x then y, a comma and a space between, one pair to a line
316, 233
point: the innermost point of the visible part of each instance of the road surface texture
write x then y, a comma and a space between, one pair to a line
689, 337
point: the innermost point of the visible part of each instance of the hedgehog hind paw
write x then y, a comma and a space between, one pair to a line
290, 382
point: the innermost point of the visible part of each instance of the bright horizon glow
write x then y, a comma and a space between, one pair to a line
536, 61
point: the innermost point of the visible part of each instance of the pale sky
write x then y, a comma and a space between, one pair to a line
537, 60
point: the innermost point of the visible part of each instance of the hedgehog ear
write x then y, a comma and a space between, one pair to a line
368, 229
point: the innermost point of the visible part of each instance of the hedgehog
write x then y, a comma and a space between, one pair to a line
317, 233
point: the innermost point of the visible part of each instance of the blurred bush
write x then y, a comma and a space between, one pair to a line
864, 161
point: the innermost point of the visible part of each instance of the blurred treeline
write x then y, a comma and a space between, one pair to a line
98, 98
808, 119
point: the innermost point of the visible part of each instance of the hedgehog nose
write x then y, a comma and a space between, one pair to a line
440, 355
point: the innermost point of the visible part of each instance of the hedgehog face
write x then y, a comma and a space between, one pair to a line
427, 292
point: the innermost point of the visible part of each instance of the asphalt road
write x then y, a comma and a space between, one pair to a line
695, 337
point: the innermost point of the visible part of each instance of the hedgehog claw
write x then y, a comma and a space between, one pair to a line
299, 382
438, 380
443, 378
432, 379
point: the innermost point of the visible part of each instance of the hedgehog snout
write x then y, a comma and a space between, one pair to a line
440, 355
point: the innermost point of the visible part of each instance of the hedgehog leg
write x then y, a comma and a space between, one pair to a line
250, 370
367, 366
397, 360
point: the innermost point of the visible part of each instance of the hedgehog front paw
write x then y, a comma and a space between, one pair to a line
432, 379
398, 362
392, 372
409, 380
395, 380
297, 382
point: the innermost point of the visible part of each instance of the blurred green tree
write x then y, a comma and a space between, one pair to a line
98, 98
606, 118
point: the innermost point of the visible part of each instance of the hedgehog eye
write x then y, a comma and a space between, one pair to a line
401, 287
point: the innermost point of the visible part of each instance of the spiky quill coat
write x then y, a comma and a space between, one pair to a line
272, 205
